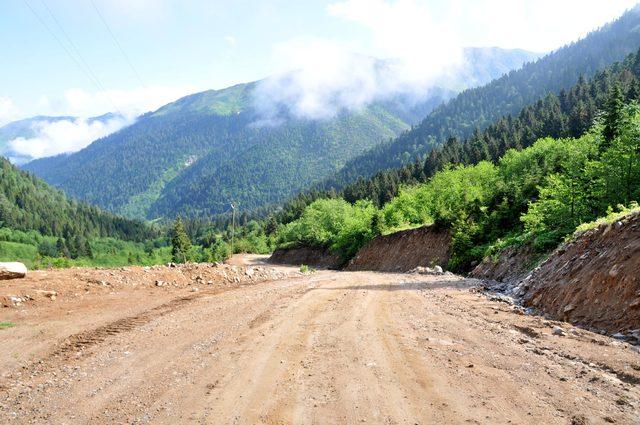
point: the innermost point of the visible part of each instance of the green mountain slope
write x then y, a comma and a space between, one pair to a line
477, 108
197, 154
28, 203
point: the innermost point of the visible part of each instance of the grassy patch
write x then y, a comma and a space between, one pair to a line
6, 325
306, 269
608, 219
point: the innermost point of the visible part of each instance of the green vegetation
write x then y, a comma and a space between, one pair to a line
6, 325
537, 195
180, 243
27, 203
306, 269
37, 251
610, 218
331, 223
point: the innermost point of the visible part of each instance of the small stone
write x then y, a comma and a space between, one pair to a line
557, 330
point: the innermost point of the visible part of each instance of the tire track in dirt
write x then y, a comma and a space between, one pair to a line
331, 347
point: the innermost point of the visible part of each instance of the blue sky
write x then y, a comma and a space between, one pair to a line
178, 47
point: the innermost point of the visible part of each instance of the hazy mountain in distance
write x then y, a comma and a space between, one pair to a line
52, 133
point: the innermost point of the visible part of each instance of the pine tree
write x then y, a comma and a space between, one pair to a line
61, 248
613, 115
180, 242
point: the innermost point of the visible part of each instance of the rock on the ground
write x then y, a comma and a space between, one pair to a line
12, 271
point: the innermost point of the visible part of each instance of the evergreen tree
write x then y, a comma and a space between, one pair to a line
613, 115
62, 249
180, 242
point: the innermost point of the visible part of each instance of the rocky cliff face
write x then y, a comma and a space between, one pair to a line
404, 251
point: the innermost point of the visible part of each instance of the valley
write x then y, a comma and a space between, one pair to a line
367, 221
331, 346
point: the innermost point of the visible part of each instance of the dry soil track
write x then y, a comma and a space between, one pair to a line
329, 347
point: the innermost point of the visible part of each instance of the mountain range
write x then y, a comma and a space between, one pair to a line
196, 155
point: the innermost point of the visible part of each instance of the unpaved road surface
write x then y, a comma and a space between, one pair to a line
328, 347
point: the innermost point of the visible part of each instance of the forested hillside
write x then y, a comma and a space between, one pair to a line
479, 107
568, 113
197, 154
535, 196
27, 203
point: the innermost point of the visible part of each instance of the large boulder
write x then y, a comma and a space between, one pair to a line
12, 271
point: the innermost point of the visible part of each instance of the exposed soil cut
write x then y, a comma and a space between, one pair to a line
512, 265
316, 257
404, 251
593, 281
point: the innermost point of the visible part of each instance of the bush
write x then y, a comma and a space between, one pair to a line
333, 224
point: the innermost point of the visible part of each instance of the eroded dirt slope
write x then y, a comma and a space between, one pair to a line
330, 347
316, 257
404, 251
593, 281
511, 266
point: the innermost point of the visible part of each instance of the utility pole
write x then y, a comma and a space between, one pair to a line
233, 226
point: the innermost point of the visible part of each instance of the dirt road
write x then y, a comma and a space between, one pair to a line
329, 347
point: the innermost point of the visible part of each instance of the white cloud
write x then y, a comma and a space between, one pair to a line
56, 137
65, 136
540, 25
8, 110
317, 77
328, 76
128, 102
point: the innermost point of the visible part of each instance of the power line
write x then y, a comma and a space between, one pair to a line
77, 52
87, 71
113, 36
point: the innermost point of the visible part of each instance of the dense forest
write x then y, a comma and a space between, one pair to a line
537, 195
566, 114
40, 226
477, 108
27, 203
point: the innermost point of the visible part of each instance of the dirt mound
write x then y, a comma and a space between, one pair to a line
44, 286
316, 257
403, 251
511, 265
593, 281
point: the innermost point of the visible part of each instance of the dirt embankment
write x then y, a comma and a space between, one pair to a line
403, 251
511, 266
47, 286
593, 281
316, 257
